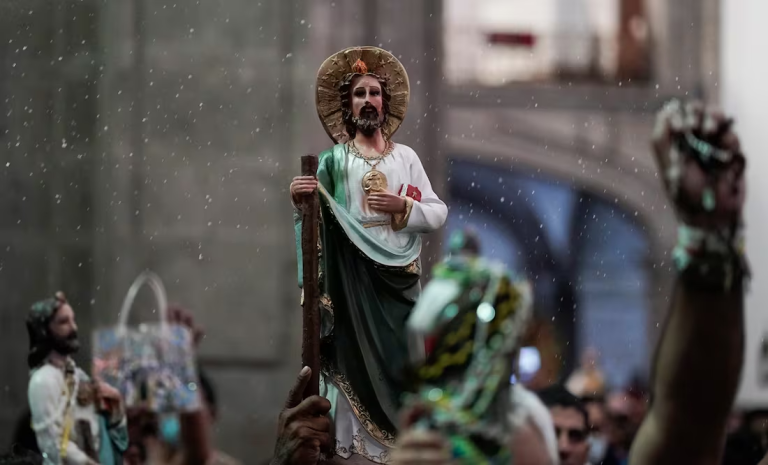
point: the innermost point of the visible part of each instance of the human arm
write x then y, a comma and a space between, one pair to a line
46, 403
700, 353
196, 440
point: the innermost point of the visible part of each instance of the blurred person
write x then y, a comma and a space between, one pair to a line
571, 423
532, 441
177, 439
76, 420
588, 379
638, 398
598, 439
376, 201
210, 403
747, 444
619, 428
475, 311
700, 353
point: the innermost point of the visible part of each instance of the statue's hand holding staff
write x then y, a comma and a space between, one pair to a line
302, 185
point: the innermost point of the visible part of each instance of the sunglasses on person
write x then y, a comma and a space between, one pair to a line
575, 436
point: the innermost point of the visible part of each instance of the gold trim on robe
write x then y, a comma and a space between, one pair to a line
384, 437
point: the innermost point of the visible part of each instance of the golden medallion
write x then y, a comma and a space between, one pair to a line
374, 181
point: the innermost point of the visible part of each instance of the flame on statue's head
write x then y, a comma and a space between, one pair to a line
360, 67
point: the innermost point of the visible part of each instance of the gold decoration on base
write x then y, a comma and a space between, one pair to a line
383, 437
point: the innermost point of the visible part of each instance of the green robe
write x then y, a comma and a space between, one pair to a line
369, 289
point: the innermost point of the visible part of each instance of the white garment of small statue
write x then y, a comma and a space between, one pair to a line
49, 396
402, 168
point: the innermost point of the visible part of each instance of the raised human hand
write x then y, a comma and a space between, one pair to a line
302, 185
418, 446
386, 202
304, 430
183, 317
699, 157
109, 400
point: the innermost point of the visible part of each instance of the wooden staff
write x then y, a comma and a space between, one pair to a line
310, 213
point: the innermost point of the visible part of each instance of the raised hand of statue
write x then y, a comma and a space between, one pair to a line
304, 430
700, 160
302, 185
386, 202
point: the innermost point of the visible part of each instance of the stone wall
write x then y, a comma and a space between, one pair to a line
163, 135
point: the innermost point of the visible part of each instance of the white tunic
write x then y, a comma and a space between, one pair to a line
402, 167
48, 397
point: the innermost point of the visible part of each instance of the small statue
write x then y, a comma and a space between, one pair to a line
76, 420
472, 316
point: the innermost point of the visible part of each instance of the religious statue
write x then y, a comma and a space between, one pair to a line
587, 380
375, 202
76, 420
472, 316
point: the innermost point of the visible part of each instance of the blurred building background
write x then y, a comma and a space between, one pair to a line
163, 134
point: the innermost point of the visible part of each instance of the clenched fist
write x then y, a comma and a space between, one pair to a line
302, 185
700, 159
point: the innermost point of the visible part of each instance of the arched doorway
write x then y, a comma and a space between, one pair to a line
588, 259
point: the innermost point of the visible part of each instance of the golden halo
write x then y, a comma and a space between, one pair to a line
379, 62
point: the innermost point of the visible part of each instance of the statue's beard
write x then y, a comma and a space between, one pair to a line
369, 121
67, 345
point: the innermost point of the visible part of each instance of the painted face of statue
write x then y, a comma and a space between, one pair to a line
63, 331
367, 104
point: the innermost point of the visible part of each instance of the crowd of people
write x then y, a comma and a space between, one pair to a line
591, 425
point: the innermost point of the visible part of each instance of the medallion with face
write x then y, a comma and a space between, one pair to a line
374, 181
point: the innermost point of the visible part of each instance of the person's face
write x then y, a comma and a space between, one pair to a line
63, 331
367, 99
571, 431
596, 413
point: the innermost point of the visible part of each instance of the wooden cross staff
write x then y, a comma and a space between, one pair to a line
310, 215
